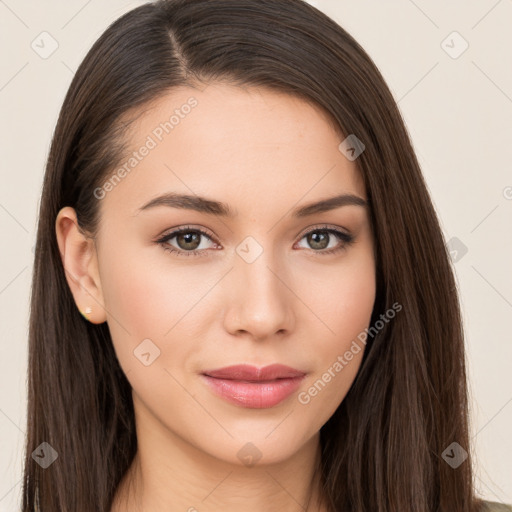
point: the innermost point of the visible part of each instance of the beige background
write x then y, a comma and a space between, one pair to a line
459, 114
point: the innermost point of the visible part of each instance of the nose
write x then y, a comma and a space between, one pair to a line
259, 301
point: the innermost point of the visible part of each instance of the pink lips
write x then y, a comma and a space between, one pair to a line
258, 388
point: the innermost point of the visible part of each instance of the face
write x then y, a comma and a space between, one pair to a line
255, 284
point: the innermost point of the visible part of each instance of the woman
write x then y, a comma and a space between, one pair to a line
242, 297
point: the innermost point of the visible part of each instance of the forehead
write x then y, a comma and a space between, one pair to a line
249, 147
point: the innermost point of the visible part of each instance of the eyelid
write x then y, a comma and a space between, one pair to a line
208, 233
322, 227
187, 227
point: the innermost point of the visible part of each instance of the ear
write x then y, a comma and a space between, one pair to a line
80, 262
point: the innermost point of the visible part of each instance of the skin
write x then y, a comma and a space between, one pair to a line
263, 153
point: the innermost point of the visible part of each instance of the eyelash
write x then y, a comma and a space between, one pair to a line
345, 238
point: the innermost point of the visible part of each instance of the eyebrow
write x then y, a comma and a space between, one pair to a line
217, 208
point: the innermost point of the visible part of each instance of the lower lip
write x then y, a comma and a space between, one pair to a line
256, 395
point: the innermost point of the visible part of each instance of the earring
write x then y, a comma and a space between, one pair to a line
87, 311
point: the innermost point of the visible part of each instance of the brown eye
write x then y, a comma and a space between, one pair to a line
318, 239
323, 240
188, 241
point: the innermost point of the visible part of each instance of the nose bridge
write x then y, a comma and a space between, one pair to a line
260, 298
260, 278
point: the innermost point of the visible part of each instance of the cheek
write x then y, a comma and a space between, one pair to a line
148, 300
136, 305
146, 296
355, 301
341, 297
342, 301
137, 299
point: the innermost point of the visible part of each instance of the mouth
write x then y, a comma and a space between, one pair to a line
252, 373
251, 387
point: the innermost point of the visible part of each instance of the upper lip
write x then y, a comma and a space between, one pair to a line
249, 372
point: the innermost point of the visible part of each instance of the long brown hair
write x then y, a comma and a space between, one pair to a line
382, 450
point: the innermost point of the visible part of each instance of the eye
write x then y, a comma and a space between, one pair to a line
320, 238
188, 240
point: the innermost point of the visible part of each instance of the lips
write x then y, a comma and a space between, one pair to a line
251, 373
258, 388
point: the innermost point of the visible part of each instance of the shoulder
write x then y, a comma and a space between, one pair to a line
493, 506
